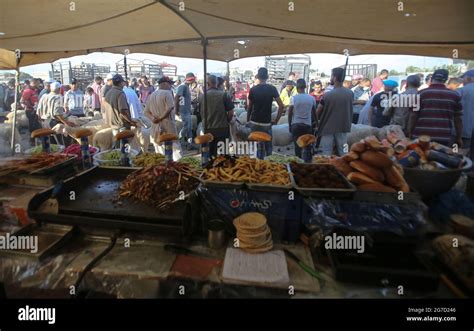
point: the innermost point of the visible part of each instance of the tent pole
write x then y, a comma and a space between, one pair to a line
125, 67
345, 66
204, 56
228, 70
17, 86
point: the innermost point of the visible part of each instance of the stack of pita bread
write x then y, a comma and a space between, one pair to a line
253, 233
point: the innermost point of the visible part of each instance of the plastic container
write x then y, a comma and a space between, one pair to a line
100, 161
59, 150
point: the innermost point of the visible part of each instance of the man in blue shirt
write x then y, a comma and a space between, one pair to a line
183, 109
73, 100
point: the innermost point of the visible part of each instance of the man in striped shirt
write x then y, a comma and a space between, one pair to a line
51, 107
440, 114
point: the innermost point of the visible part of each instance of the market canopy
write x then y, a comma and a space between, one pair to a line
45, 31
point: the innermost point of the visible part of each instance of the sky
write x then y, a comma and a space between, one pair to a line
322, 62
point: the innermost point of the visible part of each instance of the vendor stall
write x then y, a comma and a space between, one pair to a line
242, 227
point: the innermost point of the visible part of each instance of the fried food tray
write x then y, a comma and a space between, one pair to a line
50, 169
91, 198
324, 192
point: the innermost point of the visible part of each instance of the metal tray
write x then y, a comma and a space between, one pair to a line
48, 170
219, 184
50, 238
269, 187
96, 204
324, 192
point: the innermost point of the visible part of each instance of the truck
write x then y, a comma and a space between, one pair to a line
367, 70
279, 67
84, 73
152, 69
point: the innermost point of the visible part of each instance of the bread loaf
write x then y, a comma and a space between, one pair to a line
358, 147
394, 177
205, 138
374, 173
305, 140
359, 178
260, 136
376, 159
124, 135
351, 156
341, 165
167, 137
41, 133
82, 133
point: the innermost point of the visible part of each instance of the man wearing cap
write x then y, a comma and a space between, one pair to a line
183, 109
217, 114
260, 100
29, 101
356, 80
440, 114
160, 109
347, 83
117, 111
400, 115
467, 101
108, 85
73, 100
288, 92
292, 78
51, 107
382, 102
46, 89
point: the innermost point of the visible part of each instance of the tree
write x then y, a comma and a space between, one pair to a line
24, 76
323, 75
453, 69
413, 69
470, 64
248, 73
395, 73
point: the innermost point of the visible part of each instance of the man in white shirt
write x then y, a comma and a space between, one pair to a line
136, 109
160, 110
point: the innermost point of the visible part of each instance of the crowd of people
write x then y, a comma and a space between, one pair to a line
436, 105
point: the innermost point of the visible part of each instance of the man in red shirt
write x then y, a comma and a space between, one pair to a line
377, 82
29, 101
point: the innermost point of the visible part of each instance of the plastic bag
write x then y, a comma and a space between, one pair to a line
363, 216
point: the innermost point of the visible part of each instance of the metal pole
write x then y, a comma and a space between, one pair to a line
228, 70
125, 67
345, 67
17, 86
204, 55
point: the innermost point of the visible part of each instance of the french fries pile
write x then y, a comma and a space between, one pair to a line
247, 170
